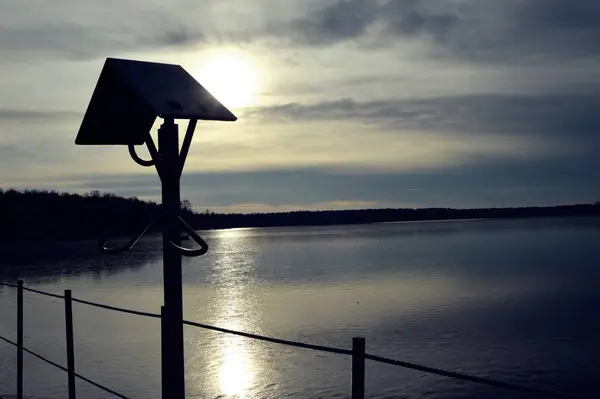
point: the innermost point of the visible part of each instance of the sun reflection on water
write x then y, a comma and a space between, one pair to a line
235, 371
233, 311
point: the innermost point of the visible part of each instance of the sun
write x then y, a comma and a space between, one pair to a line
232, 76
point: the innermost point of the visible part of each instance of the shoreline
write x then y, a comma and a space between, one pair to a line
93, 241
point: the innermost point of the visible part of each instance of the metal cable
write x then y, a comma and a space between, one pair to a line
101, 386
466, 377
426, 369
205, 326
130, 311
36, 291
274, 340
44, 293
98, 305
66, 370
8, 340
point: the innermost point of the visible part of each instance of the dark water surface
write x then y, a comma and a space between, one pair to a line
514, 300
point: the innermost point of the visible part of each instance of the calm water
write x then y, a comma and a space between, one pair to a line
515, 300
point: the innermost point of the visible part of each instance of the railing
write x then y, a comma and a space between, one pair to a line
358, 352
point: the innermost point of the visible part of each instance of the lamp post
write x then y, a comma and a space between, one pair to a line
128, 97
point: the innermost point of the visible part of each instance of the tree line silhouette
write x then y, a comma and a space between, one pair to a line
54, 216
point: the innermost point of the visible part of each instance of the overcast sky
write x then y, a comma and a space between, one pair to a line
346, 103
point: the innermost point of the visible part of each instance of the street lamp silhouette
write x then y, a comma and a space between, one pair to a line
128, 98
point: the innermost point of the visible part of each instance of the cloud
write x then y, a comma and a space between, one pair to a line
484, 30
350, 19
510, 31
365, 137
342, 20
62, 29
83, 31
31, 115
549, 116
383, 94
8, 151
489, 183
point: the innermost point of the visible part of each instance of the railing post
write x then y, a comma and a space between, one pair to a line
358, 368
20, 339
165, 374
173, 350
70, 345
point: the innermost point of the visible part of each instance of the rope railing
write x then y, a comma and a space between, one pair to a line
466, 377
34, 290
413, 366
270, 339
116, 309
50, 362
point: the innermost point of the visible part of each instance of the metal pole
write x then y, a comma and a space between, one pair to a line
358, 368
163, 344
70, 344
20, 339
172, 347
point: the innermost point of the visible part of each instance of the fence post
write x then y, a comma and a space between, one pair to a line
20, 339
358, 367
70, 345
165, 376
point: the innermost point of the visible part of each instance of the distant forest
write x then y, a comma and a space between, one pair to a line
53, 216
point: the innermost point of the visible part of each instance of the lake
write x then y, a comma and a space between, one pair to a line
514, 300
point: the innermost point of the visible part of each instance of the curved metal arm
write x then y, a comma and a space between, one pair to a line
191, 252
187, 141
152, 149
126, 247
155, 155
134, 240
139, 160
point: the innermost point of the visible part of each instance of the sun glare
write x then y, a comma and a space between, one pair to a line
235, 374
232, 76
